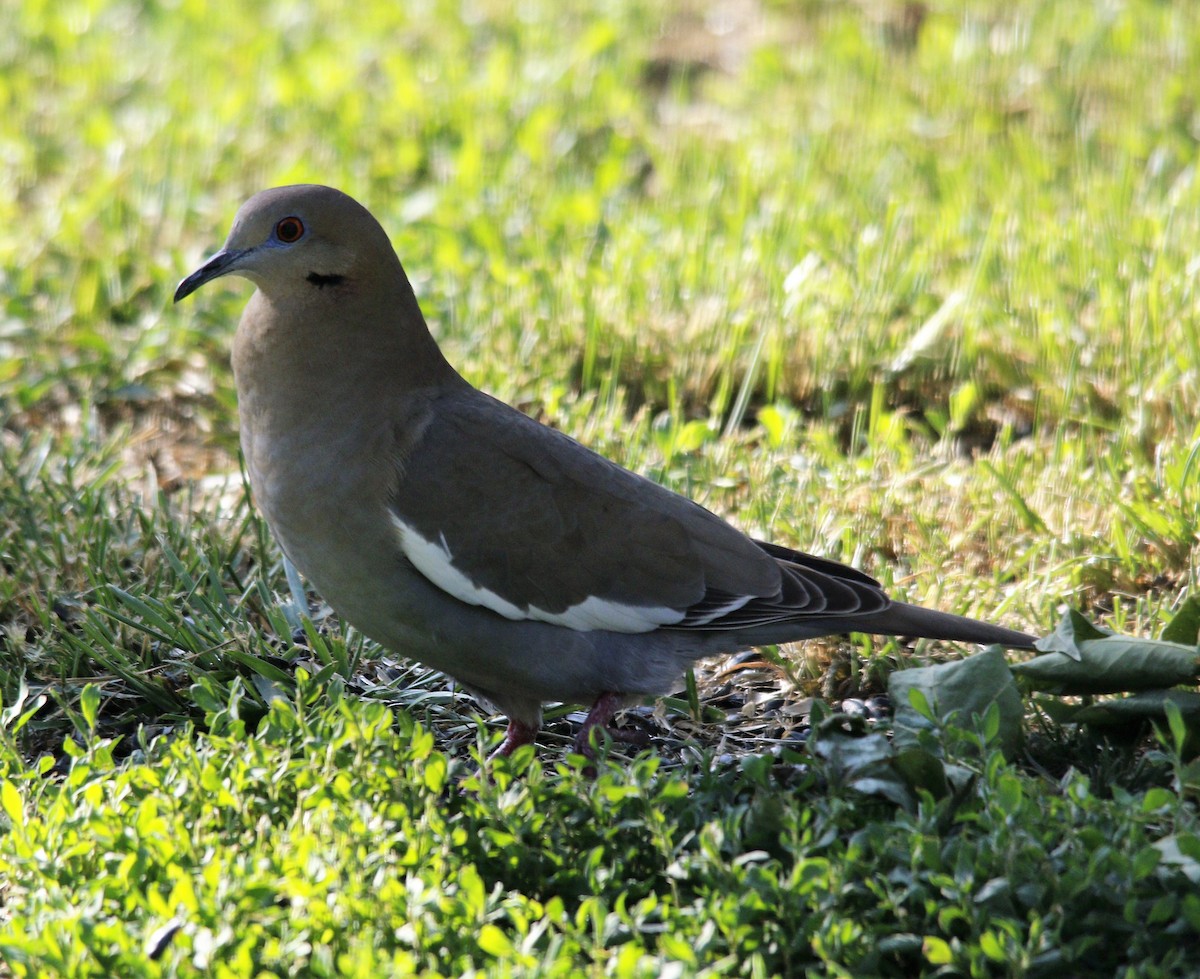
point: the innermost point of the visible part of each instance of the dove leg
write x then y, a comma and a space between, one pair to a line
600, 717
517, 734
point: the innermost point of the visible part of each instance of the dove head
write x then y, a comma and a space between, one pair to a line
300, 238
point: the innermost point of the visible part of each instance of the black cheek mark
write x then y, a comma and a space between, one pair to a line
321, 281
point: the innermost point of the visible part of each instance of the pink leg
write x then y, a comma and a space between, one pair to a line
601, 714
517, 734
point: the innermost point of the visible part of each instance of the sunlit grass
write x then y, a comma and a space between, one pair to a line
908, 285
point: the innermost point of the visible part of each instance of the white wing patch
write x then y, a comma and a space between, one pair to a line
599, 613
434, 560
712, 615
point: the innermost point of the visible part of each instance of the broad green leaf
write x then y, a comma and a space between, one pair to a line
1150, 705
992, 947
1112, 664
691, 435
954, 693
12, 803
493, 941
434, 772
1071, 630
1177, 724
863, 762
1184, 626
923, 770
937, 951
89, 704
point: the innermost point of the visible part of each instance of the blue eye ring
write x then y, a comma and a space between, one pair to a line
289, 230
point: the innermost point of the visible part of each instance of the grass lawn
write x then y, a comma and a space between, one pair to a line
910, 285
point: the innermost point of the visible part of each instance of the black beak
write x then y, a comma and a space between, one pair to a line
220, 264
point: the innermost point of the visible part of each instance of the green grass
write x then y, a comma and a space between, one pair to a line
909, 286
338, 841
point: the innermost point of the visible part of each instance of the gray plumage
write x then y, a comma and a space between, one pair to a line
456, 530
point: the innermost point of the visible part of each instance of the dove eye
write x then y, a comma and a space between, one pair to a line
289, 230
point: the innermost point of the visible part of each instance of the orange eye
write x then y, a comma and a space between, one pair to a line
289, 230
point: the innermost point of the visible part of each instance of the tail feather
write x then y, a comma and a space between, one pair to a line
902, 619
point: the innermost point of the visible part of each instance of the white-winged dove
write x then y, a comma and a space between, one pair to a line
456, 530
